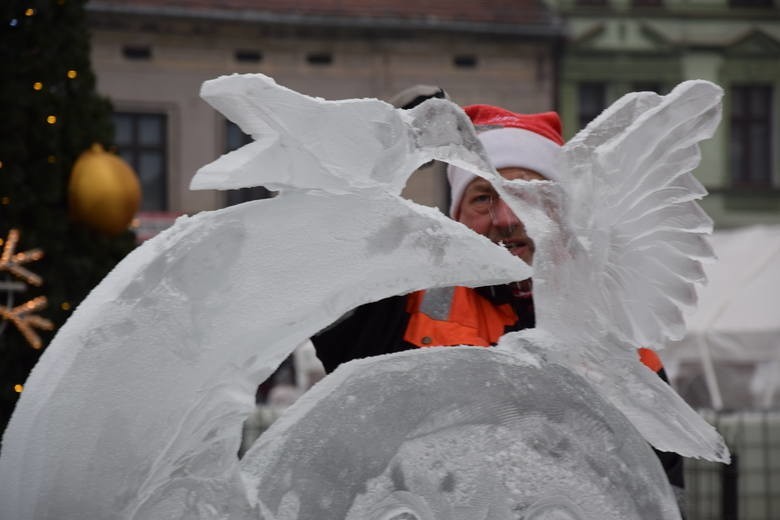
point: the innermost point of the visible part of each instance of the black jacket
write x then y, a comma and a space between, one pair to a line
378, 328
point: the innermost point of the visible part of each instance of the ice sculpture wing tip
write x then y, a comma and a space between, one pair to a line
643, 239
632, 178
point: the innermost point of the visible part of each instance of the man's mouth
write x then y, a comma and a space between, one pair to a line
516, 246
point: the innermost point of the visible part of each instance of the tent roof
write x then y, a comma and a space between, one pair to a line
743, 292
732, 348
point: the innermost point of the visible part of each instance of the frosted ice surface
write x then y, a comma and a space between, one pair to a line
455, 433
307, 142
135, 408
619, 246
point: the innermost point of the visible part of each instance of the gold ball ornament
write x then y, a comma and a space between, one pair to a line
104, 192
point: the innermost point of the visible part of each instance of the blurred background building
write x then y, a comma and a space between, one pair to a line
618, 46
576, 56
151, 57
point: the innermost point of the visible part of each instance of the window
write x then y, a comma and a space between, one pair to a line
751, 134
141, 141
234, 139
592, 99
248, 56
647, 86
319, 58
464, 61
137, 52
750, 3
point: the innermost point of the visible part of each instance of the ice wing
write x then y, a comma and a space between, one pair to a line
647, 401
148, 382
655, 409
634, 211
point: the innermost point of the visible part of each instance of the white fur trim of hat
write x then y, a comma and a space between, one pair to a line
507, 147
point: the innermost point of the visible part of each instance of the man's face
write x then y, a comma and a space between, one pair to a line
483, 211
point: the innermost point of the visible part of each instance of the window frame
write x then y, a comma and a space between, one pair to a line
131, 152
584, 117
743, 171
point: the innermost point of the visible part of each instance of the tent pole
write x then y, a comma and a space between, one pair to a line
709, 373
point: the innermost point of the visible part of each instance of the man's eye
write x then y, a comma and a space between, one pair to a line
482, 199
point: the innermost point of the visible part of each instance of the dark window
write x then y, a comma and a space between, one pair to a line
137, 52
248, 56
235, 138
592, 98
750, 3
647, 3
141, 141
751, 136
465, 61
647, 86
319, 58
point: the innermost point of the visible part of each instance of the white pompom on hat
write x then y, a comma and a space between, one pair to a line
532, 141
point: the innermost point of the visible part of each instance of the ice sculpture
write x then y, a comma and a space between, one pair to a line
456, 433
619, 251
134, 410
145, 388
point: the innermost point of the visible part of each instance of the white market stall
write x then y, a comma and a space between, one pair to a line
730, 358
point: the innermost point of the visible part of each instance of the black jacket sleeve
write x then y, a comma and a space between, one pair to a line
372, 329
672, 462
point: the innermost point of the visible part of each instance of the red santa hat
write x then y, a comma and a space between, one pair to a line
531, 141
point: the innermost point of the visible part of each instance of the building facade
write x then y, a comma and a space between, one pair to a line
151, 57
618, 46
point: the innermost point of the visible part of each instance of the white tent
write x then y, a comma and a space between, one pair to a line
730, 358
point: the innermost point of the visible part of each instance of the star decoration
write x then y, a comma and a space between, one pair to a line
12, 262
25, 321
22, 315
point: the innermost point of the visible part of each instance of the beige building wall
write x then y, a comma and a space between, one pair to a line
509, 72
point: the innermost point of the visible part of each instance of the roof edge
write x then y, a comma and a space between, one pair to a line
553, 29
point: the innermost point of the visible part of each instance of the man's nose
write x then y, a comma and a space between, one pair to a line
502, 216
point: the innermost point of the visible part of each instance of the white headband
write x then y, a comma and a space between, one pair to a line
507, 147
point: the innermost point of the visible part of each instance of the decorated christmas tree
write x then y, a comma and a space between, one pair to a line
58, 241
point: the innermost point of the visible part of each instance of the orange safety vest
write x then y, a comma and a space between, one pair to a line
455, 316
449, 316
